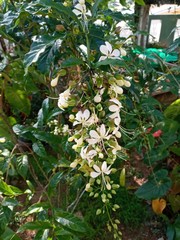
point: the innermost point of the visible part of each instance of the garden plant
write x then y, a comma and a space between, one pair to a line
77, 109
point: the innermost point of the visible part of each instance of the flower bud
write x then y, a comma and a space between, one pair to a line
98, 211
54, 82
97, 98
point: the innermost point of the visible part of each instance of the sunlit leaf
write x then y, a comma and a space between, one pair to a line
9, 190
71, 222
158, 205
22, 165
38, 47
36, 208
140, 2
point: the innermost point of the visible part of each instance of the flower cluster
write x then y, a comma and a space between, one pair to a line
96, 130
95, 119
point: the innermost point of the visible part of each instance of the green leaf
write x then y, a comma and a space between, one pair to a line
61, 9
9, 18
36, 208
123, 2
39, 149
5, 131
70, 221
36, 225
22, 165
73, 61
18, 99
9, 235
156, 187
175, 150
46, 113
38, 47
177, 228
113, 62
174, 45
173, 110
54, 182
170, 232
5, 217
3, 220
95, 7
9, 202
9, 190
140, 2
43, 235
49, 138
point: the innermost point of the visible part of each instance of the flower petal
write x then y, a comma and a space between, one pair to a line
115, 53
104, 50
118, 90
76, 12
76, 123
94, 174
117, 121
102, 130
96, 168
92, 153
94, 134
86, 114
92, 141
79, 116
123, 52
79, 7
109, 46
114, 100
114, 108
102, 58
114, 115
104, 166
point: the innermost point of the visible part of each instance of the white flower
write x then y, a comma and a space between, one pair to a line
116, 132
79, 143
98, 171
65, 128
108, 52
116, 89
99, 135
2, 139
115, 108
63, 99
97, 98
123, 52
93, 119
116, 147
54, 82
82, 118
80, 9
88, 155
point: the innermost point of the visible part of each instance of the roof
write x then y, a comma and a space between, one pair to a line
166, 9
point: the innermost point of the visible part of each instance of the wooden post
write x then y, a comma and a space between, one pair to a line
143, 25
